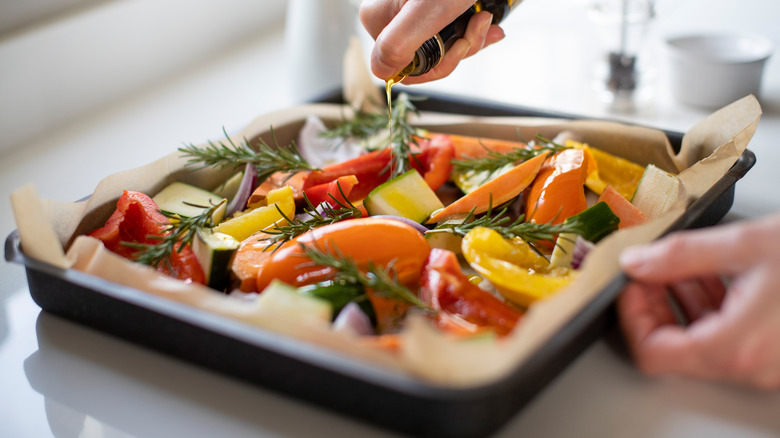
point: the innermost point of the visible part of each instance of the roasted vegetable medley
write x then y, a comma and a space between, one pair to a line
363, 222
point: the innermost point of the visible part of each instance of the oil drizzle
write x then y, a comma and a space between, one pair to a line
388, 84
400, 76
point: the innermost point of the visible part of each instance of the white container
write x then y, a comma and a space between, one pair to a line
317, 35
713, 70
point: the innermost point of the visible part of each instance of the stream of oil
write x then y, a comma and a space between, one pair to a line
388, 85
400, 76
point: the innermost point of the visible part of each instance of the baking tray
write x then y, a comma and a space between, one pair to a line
326, 378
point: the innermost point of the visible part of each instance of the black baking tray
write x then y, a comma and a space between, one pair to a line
319, 375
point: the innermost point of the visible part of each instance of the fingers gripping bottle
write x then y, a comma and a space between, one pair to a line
432, 51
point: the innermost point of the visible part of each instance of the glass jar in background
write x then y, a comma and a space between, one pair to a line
625, 76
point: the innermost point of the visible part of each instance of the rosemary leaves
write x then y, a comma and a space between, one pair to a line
401, 135
381, 280
267, 159
181, 231
494, 161
296, 226
532, 233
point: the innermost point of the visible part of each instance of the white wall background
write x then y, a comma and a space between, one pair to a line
74, 64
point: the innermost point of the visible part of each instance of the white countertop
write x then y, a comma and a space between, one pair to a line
63, 380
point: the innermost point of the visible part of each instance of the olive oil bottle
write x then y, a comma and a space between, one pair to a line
432, 51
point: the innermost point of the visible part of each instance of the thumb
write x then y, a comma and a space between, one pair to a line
717, 250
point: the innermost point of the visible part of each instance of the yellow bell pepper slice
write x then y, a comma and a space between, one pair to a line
623, 175
256, 219
516, 270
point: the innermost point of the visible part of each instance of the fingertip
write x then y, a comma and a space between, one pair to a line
382, 69
655, 262
693, 253
495, 34
632, 258
477, 32
483, 21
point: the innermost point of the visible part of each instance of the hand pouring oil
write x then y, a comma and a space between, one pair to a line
432, 51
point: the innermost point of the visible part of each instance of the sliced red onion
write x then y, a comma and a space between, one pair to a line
303, 217
419, 227
322, 209
581, 249
245, 189
320, 151
352, 319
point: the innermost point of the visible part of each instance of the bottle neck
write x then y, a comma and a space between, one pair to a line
431, 52
428, 56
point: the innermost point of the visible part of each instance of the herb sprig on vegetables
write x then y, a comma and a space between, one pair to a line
362, 126
381, 280
279, 234
494, 161
532, 233
267, 159
180, 232
401, 134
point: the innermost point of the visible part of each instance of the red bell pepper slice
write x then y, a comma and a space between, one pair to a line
434, 162
447, 289
432, 158
338, 189
137, 219
371, 170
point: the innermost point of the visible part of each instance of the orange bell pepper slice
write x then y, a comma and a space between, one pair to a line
628, 213
365, 240
494, 192
559, 189
466, 147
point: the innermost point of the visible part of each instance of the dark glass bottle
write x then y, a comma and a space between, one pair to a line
432, 51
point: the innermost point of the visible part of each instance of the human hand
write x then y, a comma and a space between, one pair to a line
400, 27
732, 333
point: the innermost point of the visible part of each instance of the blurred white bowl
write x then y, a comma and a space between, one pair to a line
714, 70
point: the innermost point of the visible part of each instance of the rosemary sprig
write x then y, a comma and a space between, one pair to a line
493, 161
470, 221
361, 126
382, 280
532, 233
280, 234
179, 232
266, 159
402, 135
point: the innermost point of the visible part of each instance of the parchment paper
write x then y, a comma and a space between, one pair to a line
49, 228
